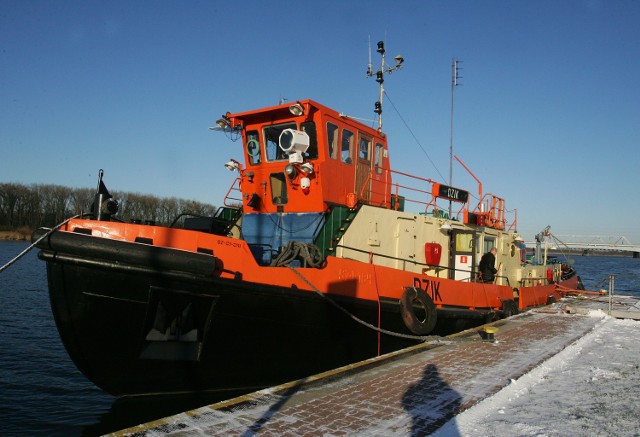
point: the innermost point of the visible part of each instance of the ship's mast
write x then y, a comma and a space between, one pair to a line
384, 68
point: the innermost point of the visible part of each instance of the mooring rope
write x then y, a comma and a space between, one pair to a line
49, 232
433, 339
310, 254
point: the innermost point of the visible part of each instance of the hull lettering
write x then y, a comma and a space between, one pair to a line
429, 286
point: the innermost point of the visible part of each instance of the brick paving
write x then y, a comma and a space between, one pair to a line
410, 393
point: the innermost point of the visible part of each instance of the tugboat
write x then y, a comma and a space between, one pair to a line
321, 256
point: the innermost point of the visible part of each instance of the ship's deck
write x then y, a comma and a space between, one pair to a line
411, 392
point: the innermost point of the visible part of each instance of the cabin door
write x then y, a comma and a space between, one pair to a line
462, 260
363, 168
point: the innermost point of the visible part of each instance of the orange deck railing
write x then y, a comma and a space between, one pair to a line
388, 192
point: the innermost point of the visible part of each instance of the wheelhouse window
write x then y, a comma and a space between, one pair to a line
278, 188
253, 147
310, 129
332, 140
464, 243
489, 243
271, 137
346, 151
378, 157
364, 148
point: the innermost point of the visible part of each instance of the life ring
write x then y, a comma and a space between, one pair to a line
253, 148
509, 308
412, 298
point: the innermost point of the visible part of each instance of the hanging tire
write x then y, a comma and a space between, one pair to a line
509, 308
424, 320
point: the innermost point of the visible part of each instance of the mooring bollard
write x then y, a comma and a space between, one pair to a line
611, 285
489, 333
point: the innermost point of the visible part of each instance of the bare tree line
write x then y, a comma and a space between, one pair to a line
47, 205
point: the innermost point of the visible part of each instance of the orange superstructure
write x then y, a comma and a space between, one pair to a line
345, 160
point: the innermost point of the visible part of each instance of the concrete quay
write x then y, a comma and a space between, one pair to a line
409, 392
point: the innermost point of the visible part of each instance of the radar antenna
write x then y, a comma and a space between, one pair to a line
384, 68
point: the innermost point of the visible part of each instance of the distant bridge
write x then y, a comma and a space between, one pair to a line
589, 243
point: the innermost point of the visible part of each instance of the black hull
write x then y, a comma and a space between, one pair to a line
164, 322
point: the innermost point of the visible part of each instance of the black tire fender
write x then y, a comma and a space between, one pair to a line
414, 297
509, 308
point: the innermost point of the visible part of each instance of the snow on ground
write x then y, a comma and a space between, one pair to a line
590, 388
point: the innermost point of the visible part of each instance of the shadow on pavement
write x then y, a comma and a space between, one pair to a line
431, 402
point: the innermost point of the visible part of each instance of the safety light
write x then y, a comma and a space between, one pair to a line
296, 109
223, 123
307, 168
290, 171
232, 165
446, 227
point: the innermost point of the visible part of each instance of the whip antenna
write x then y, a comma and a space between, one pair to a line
455, 81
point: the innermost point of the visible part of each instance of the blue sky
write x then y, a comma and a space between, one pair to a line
547, 116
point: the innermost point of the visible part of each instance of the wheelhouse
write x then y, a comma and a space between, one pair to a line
305, 157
